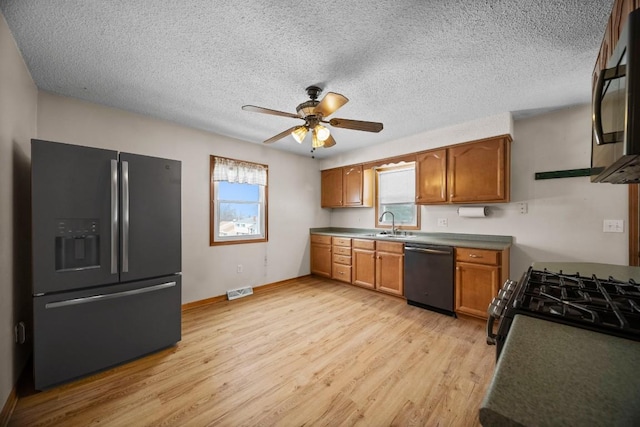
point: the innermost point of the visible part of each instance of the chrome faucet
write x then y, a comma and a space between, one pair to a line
393, 221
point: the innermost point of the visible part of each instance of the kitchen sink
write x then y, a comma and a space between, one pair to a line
395, 236
389, 236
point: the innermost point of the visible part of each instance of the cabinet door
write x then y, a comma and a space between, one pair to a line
476, 285
479, 172
321, 259
364, 268
390, 273
352, 185
331, 188
431, 177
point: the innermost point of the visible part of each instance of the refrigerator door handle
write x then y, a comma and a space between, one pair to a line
114, 216
125, 216
102, 297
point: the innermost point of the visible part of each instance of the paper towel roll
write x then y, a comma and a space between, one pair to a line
473, 211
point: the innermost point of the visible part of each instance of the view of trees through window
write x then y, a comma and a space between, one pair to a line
404, 213
396, 194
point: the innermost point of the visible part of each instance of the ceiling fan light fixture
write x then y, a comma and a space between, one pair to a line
299, 133
313, 113
322, 133
307, 108
315, 142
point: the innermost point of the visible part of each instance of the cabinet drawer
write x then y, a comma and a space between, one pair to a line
393, 247
364, 244
318, 238
341, 259
341, 241
342, 250
478, 256
342, 272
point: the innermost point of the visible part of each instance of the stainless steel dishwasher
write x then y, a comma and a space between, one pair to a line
428, 276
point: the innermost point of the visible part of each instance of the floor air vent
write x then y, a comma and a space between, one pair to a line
239, 293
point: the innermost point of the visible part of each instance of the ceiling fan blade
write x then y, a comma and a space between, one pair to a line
356, 125
269, 111
330, 103
280, 135
329, 142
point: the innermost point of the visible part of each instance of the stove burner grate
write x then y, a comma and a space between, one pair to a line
601, 304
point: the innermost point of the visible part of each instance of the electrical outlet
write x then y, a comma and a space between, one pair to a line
442, 222
523, 208
613, 226
239, 268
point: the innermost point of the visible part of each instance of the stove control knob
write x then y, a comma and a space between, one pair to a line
496, 307
509, 285
504, 294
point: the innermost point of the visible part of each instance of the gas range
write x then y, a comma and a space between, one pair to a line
601, 304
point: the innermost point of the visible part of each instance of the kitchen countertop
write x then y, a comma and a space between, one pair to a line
620, 272
479, 241
551, 374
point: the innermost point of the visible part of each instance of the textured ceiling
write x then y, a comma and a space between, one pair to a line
413, 65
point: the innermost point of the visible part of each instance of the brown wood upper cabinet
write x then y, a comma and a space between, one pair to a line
472, 172
349, 186
331, 183
431, 176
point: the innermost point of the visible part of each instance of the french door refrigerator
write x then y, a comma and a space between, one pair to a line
106, 242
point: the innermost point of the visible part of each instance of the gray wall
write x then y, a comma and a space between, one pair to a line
18, 98
294, 192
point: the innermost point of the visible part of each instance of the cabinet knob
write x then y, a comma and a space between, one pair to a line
475, 256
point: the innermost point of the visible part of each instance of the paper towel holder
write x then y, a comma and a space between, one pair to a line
473, 211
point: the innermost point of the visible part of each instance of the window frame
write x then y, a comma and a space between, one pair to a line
213, 209
385, 224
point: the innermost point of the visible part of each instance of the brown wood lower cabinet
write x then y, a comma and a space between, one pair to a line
321, 255
390, 267
341, 268
364, 263
379, 265
479, 275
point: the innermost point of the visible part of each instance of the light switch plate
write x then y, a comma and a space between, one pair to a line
613, 226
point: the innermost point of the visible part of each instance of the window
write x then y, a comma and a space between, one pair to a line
396, 193
238, 201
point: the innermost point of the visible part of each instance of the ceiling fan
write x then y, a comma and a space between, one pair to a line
315, 112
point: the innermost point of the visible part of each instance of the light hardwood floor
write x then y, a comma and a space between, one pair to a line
314, 352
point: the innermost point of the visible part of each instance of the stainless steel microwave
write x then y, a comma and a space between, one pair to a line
615, 148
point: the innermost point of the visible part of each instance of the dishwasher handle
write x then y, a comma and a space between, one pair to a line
427, 251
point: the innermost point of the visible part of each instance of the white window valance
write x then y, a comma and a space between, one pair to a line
239, 172
397, 186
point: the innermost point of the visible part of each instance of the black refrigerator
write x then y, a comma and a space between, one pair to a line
106, 239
